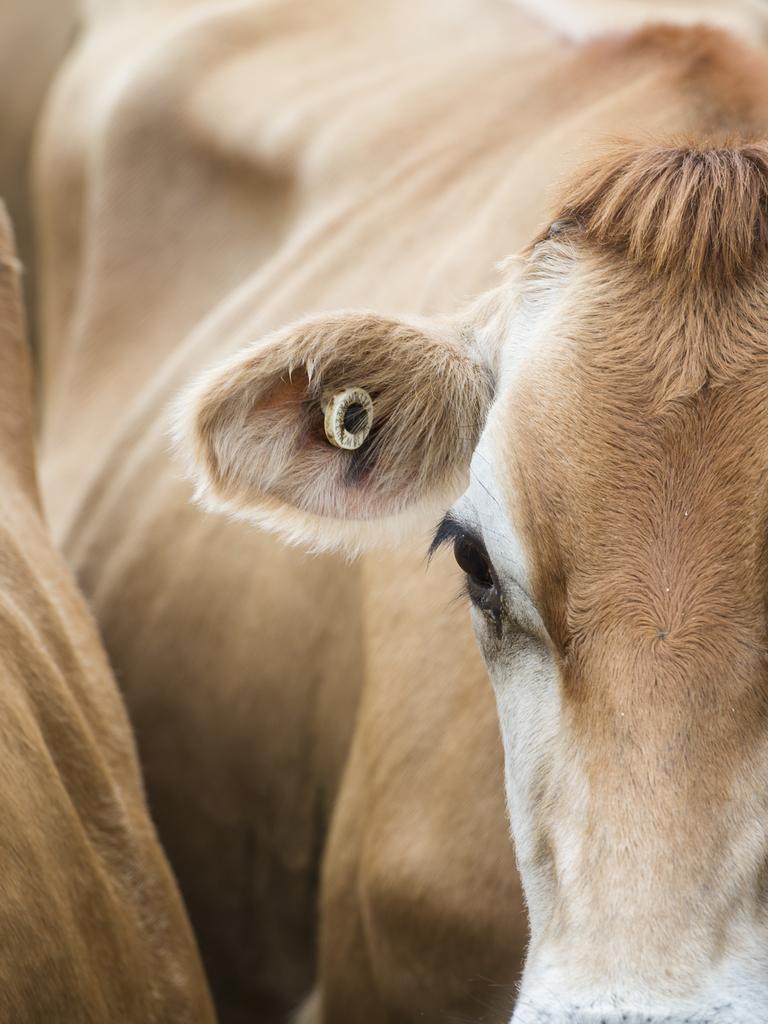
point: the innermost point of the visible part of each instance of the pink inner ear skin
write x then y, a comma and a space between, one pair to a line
259, 422
287, 392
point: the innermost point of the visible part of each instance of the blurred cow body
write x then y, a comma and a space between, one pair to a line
34, 37
92, 926
209, 172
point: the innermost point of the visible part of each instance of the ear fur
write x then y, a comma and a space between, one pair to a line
252, 429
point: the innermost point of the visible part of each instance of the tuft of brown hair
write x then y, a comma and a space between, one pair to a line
699, 210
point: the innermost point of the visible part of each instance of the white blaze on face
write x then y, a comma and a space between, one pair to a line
536, 703
523, 672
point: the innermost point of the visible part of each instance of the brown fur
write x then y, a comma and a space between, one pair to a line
699, 211
34, 38
91, 923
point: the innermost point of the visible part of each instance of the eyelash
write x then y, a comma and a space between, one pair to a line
498, 605
480, 586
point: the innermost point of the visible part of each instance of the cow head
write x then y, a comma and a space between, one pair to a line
606, 410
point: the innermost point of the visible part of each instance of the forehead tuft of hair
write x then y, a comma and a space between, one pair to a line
702, 211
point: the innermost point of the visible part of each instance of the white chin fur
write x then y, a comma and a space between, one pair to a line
736, 992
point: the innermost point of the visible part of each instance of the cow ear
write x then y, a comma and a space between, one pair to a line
339, 431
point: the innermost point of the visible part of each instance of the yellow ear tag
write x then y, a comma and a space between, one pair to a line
348, 417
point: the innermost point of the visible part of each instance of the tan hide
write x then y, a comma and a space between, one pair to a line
91, 923
34, 36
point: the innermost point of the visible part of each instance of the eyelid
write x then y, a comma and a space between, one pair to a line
520, 603
518, 586
449, 530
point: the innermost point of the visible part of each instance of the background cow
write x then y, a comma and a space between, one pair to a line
91, 924
208, 173
34, 36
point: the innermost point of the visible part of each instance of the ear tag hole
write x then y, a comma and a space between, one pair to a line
348, 417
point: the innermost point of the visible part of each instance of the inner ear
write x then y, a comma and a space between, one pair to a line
269, 439
268, 429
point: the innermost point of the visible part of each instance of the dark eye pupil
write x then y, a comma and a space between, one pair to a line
473, 561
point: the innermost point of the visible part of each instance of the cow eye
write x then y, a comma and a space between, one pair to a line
472, 558
482, 587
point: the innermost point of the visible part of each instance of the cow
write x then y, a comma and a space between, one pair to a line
92, 926
34, 36
607, 403
321, 734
